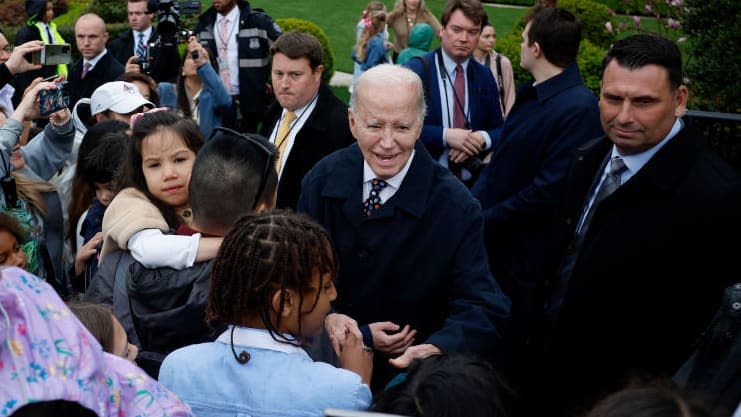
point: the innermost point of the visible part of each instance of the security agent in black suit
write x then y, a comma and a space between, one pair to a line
320, 126
645, 266
91, 37
159, 59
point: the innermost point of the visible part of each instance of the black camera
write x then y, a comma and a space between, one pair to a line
168, 15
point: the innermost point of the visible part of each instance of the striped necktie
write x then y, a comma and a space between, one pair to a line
141, 48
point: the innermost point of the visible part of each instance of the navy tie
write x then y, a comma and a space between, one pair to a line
373, 202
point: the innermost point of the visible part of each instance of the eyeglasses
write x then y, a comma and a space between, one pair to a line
7, 48
268, 152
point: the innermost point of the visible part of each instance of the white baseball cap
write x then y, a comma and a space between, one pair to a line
117, 96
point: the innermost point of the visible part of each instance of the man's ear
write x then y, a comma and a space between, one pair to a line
537, 51
351, 122
680, 101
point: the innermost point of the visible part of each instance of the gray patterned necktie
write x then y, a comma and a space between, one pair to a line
613, 180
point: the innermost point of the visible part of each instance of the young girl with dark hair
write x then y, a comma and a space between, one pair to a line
93, 187
153, 200
272, 283
11, 238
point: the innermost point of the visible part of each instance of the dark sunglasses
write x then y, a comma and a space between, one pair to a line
268, 152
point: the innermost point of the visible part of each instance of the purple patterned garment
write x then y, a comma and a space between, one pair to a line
47, 354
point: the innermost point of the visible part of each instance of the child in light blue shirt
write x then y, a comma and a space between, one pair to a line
272, 283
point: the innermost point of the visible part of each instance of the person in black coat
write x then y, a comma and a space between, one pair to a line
97, 66
645, 229
321, 126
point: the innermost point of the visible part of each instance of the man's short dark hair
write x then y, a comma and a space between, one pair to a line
472, 9
297, 44
638, 51
558, 32
226, 179
453, 385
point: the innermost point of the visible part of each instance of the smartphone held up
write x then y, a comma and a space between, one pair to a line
53, 100
53, 54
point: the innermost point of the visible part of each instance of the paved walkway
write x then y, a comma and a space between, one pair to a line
341, 79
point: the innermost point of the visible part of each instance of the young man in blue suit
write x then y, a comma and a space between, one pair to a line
519, 188
463, 115
408, 234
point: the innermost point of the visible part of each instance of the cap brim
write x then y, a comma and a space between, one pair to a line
129, 104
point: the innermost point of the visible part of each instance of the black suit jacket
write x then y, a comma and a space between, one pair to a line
107, 69
165, 61
652, 268
325, 131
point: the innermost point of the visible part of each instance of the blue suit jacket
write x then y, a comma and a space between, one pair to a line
419, 260
520, 187
483, 99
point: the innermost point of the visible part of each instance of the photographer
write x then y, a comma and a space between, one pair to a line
201, 95
134, 47
26, 194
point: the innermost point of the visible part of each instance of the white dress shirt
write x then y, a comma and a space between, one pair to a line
231, 46
302, 115
393, 183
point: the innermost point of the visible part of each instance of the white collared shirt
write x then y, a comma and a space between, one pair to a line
147, 33
231, 46
302, 115
633, 163
47, 30
93, 62
393, 183
259, 339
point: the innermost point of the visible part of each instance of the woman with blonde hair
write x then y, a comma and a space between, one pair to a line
405, 15
370, 50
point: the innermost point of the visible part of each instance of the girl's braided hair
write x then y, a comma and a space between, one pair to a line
262, 254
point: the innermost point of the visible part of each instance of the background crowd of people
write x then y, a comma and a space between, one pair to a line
446, 245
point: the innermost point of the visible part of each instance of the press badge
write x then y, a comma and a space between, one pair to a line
221, 62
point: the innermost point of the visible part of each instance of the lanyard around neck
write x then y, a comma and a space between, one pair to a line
444, 74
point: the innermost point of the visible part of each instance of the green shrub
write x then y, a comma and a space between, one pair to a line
713, 54
590, 64
593, 17
309, 27
509, 46
513, 2
112, 11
